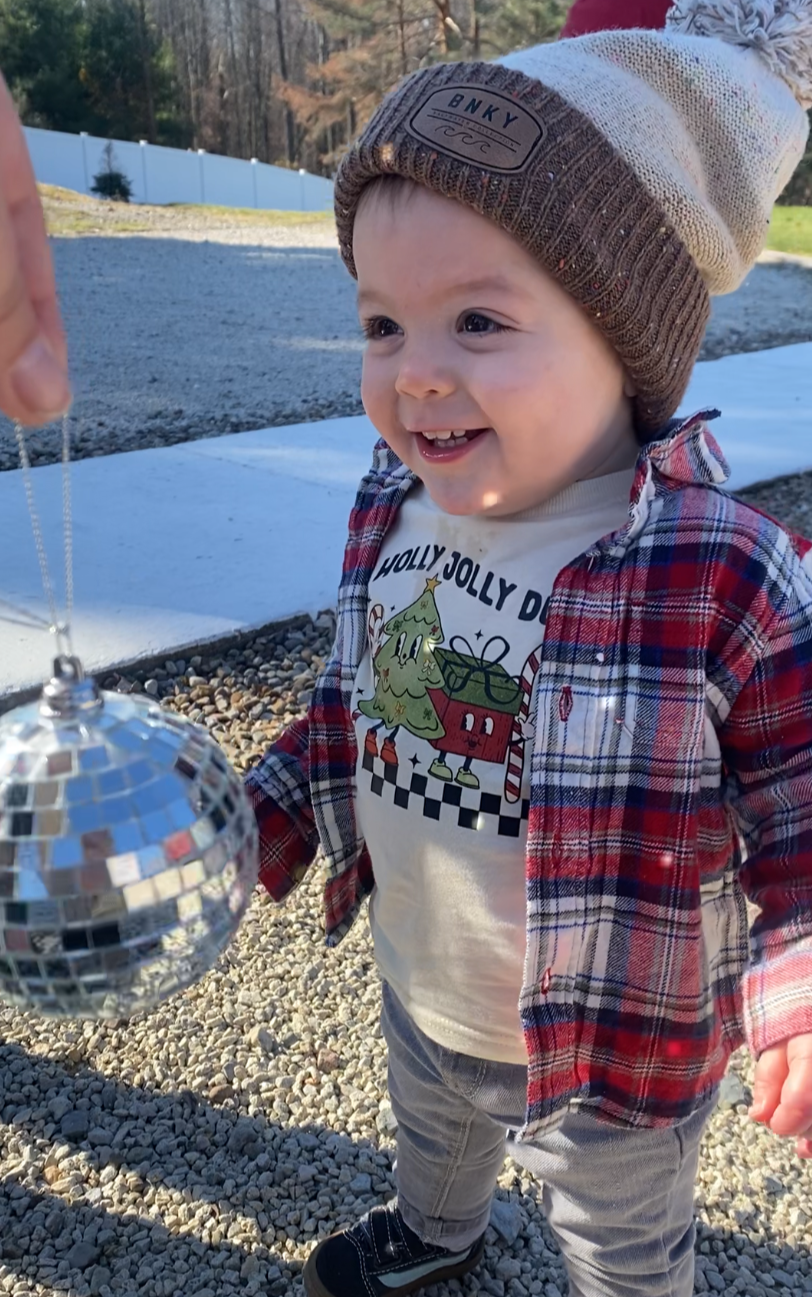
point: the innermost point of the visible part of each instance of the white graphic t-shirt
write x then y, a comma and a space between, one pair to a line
443, 707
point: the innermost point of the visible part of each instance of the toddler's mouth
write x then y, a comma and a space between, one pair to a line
447, 443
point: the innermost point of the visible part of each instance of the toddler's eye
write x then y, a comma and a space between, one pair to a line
474, 322
378, 326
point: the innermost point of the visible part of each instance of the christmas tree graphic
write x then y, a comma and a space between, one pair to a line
405, 668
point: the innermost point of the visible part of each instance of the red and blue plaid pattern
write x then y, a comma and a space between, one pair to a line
671, 776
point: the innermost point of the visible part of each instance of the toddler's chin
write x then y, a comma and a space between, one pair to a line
459, 499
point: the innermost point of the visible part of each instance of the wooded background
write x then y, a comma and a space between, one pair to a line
285, 81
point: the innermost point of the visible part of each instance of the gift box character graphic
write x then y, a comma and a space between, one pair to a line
462, 703
477, 704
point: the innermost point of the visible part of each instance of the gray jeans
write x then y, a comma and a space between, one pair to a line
619, 1201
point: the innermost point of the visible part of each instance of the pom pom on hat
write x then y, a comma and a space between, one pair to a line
608, 15
780, 31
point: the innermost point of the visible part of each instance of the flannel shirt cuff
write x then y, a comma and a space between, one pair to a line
284, 855
778, 998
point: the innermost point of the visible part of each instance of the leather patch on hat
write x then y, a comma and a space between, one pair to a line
478, 125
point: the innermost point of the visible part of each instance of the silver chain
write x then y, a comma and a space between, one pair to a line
61, 629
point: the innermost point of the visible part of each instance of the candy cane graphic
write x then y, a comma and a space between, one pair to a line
518, 741
375, 628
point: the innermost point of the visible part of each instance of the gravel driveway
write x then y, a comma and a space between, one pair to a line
174, 337
201, 1150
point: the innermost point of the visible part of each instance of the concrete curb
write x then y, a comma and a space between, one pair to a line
145, 664
770, 257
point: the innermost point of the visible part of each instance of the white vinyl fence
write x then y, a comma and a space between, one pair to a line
160, 175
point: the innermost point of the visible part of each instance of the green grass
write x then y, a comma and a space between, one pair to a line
70, 214
251, 215
58, 194
791, 231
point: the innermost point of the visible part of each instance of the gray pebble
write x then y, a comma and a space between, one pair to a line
386, 1121
731, 1091
55, 1222
260, 1036
508, 1268
361, 1184
242, 1136
100, 1278
506, 1220
59, 1106
781, 1277
493, 1286
75, 1124
81, 1256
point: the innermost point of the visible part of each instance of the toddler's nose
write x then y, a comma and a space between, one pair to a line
423, 375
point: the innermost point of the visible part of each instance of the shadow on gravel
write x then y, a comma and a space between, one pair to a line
773, 1256
244, 1188
256, 1181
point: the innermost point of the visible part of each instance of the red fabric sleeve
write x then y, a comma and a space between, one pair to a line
607, 15
279, 790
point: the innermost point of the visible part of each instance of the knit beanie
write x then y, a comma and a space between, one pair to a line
638, 167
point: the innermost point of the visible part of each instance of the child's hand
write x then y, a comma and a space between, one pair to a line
782, 1091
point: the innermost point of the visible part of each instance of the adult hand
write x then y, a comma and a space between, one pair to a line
782, 1091
34, 385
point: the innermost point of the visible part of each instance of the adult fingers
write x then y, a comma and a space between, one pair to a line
33, 370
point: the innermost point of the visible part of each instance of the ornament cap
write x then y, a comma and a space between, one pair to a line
69, 694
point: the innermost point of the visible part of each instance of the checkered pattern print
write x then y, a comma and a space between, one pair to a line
671, 774
432, 798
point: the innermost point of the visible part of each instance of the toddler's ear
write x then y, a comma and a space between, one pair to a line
629, 388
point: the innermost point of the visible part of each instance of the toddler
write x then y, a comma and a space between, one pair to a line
566, 728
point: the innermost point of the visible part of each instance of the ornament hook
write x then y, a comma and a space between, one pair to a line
69, 694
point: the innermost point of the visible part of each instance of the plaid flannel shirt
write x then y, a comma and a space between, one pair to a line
671, 776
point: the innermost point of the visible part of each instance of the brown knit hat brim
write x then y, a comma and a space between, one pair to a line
505, 145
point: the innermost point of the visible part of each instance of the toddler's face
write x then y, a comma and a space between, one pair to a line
468, 334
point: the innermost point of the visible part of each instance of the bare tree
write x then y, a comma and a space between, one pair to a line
146, 59
281, 50
292, 81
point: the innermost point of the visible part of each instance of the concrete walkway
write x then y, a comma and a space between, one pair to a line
179, 546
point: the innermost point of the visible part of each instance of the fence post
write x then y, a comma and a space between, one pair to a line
254, 163
143, 144
201, 153
302, 182
83, 137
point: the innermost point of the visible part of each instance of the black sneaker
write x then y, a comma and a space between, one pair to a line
382, 1257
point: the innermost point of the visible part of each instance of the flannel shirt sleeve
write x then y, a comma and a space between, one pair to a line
279, 790
766, 744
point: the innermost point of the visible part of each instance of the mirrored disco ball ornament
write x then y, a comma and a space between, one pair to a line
128, 852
